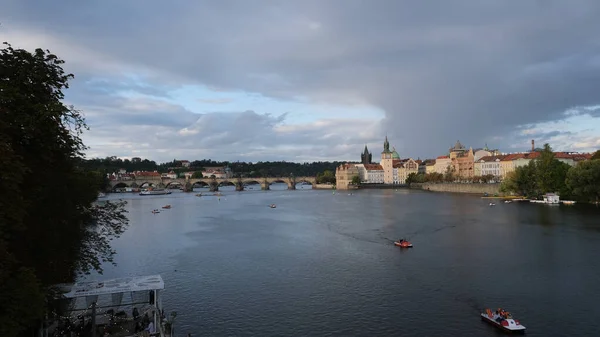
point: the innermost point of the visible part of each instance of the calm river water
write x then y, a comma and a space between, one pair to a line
324, 265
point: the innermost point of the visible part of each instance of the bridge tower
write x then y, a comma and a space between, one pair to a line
239, 185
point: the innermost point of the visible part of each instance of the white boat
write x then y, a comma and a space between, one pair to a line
507, 201
159, 191
492, 204
502, 320
568, 202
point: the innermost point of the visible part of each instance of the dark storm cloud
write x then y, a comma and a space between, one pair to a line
442, 70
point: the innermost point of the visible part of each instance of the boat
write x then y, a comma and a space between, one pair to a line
158, 191
507, 201
492, 204
502, 320
403, 243
272, 205
117, 307
568, 202
167, 207
155, 211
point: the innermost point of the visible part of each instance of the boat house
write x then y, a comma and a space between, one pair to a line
551, 198
118, 307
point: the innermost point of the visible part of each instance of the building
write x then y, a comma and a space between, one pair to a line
370, 173
387, 162
442, 163
170, 175
220, 172
404, 167
344, 175
366, 157
488, 165
185, 163
430, 166
145, 175
462, 161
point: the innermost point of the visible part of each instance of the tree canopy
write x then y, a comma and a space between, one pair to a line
584, 180
547, 174
51, 230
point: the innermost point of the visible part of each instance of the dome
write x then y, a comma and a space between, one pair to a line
395, 154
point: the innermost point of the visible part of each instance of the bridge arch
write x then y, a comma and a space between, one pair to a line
226, 183
120, 185
199, 183
174, 183
146, 184
277, 181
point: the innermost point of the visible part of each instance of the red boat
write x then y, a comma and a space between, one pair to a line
403, 243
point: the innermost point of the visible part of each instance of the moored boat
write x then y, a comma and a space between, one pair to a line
272, 206
158, 191
403, 243
502, 320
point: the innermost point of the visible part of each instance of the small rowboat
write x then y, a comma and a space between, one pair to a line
403, 243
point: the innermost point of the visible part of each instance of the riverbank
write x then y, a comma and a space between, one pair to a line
381, 186
490, 189
324, 187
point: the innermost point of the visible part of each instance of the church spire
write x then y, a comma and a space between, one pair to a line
386, 145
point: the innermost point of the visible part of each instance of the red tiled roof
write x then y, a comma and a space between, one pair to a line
513, 156
491, 158
442, 157
147, 174
373, 167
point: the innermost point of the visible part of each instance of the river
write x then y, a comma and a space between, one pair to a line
323, 264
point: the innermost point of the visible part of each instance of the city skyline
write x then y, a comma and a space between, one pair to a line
316, 81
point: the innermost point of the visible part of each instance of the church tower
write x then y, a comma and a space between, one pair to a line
366, 157
387, 162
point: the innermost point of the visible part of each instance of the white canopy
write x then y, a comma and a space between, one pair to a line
115, 286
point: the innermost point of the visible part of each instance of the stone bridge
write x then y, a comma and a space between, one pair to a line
213, 183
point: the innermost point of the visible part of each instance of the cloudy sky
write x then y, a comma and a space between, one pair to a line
318, 79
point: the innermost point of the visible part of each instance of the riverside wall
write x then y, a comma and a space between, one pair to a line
324, 187
476, 188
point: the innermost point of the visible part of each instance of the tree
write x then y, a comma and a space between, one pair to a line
197, 175
584, 180
596, 155
551, 173
356, 180
50, 229
521, 181
326, 177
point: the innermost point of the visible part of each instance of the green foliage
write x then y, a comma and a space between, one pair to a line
550, 173
49, 228
433, 177
197, 175
326, 177
584, 180
356, 180
544, 174
522, 181
259, 169
415, 178
596, 155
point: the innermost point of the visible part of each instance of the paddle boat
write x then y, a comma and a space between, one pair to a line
503, 320
403, 243
167, 207
272, 205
